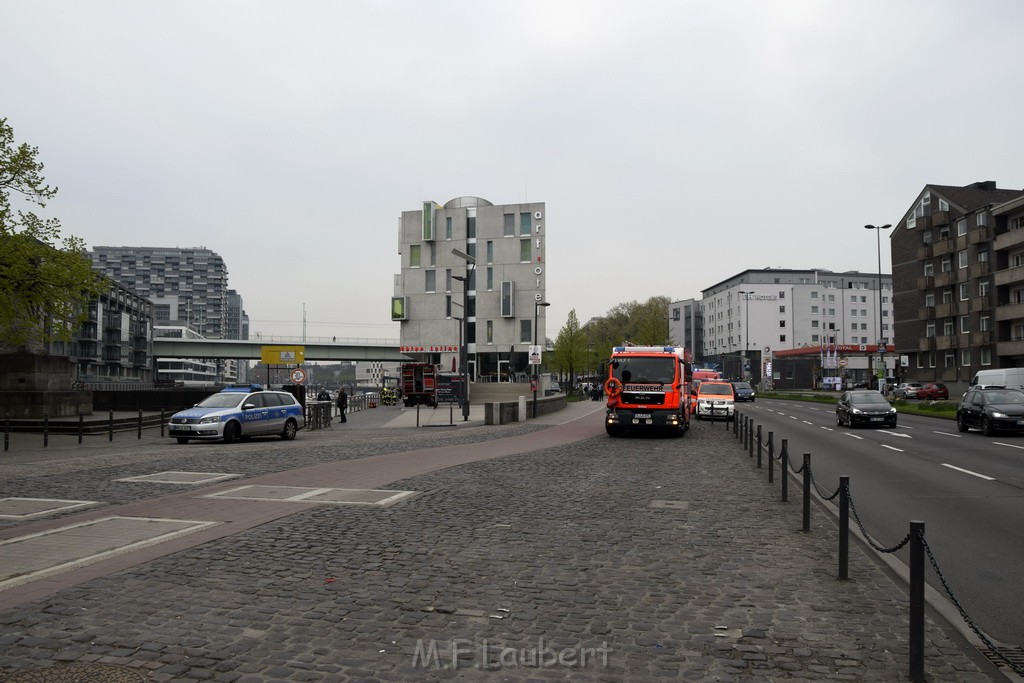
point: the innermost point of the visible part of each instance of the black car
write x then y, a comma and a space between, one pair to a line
865, 407
991, 410
742, 391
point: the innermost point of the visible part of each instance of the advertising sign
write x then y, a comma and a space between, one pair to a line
534, 355
449, 388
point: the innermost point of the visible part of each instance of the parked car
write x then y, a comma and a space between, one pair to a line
933, 391
907, 390
864, 407
1005, 378
238, 413
715, 398
743, 391
991, 410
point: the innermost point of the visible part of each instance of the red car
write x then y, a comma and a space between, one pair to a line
934, 391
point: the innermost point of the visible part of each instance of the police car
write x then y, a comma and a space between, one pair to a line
239, 412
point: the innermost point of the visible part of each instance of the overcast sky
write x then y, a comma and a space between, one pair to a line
674, 143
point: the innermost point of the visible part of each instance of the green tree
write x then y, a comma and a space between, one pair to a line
642, 324
570, 347
45, 281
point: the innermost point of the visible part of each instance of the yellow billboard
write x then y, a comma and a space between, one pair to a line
282, 355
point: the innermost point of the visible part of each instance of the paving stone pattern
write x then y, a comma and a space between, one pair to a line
552, 564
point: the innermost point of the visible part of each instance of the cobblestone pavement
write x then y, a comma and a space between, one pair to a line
602, 560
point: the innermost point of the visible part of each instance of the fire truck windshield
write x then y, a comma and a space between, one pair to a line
644, 370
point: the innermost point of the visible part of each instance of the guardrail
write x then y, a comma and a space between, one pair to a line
743, 430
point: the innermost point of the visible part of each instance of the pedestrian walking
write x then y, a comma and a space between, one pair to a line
342, 404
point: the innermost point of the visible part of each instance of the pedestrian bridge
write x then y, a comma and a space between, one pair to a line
345, 350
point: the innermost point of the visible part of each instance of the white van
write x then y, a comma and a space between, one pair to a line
1006, 378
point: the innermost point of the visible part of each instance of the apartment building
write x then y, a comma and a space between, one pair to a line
755, 314
685, 326
958, 269
479, 262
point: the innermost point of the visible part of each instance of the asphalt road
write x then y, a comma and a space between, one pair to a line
967, 488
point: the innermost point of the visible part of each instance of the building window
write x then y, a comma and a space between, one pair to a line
943, 205
961, 228
929, 269
490, 251
965, 323
949, 359
946, 265
983, 321
947, 296
929, 329
985, 355
980, 219
853, 312
965, 291
430, 284
782, 338
508, 298
931, 359
983, 288
947, 328
961, 258
470, 227
782, 323
965, 358
525, 227
433, 254
782, 309
490, 279
448, 306
814, 323
447, 279
490, 331
525, 253
782, 295
414, 256
926, 237
814, 295
509, 229
526, 331
448, 228
982, 255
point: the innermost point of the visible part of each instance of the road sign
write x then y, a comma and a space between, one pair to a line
298, 376
843, 362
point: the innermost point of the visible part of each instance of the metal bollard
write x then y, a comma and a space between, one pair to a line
161, 423
81, 426
758, 446
7, 431
417, 414
729, 417
46, 429
140, 423
807, 492
750, 437
735, 425
844, 528
916, 601
784, 470
110, 426
771, 457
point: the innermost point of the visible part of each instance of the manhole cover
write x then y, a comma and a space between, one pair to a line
79, 673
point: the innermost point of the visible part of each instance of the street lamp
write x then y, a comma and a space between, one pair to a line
878, 238
746, 330
536, 367
464, 329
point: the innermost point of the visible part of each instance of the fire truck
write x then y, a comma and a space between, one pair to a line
419, 384
648, 388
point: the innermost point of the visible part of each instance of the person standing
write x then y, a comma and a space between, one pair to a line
342, 403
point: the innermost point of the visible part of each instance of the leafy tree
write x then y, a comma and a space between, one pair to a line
642, 324
44, 288
570, 347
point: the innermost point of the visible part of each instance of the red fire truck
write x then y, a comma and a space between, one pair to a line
648, 387
419, 384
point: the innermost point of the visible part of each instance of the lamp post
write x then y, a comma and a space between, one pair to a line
881, 354
464, 345
536, 310
746, 330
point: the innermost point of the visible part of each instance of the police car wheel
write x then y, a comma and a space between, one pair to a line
231, 432
182, 439
290, 430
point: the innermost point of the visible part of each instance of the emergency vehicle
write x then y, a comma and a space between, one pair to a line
239, 412
648, 387
419, 384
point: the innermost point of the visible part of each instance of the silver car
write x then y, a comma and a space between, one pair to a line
238, 413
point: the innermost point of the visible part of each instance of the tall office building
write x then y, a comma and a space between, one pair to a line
500, 299
187, 286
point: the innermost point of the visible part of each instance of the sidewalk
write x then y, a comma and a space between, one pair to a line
518, 553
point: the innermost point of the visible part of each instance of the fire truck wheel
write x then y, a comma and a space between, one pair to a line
613, 431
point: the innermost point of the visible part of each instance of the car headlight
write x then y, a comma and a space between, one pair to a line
996, 413
892, 410
210, 419
856, 411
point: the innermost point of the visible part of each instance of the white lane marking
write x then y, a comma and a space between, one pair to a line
793, 417
853, 436
828, 429
973, 474
1000, 443
958, 436
892, 448
905, 436
808, 422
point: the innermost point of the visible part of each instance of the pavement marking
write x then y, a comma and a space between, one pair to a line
973, 474
793, 417
29, 508
828, 429
958, 436
808, 422
175, 477
892, 448
1011, 445
303, 494
34, 556
886, 431
853, 436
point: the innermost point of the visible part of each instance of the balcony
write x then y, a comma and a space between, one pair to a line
1010, 276
1013, 238
940, 218
979, 234
980, 304
923, 222
976, 270
944, 279
1010, 348
943, 247
926, 282
945, 310
981, 338
945, 343
1010, 311
926, 313
924, 252
926, 344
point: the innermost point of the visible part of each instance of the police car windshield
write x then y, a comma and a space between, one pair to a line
644, 370
222, 400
